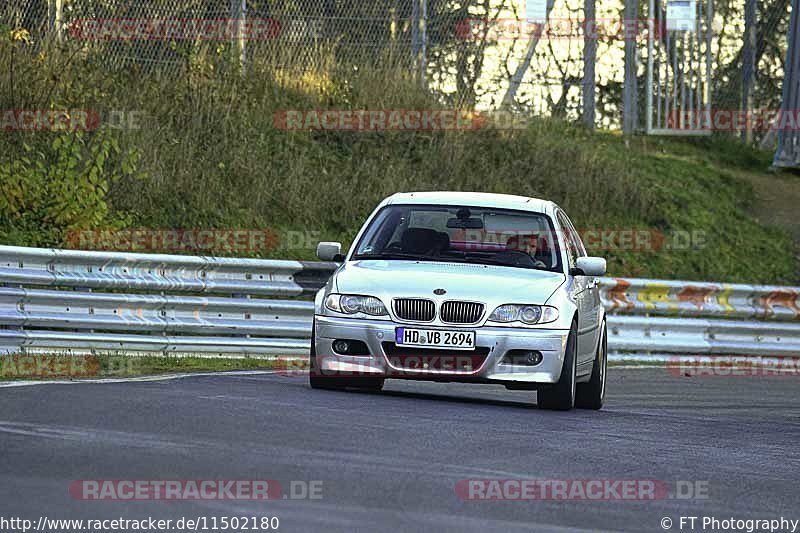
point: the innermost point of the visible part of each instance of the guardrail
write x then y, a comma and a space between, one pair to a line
77, 301
48, 302
681, 317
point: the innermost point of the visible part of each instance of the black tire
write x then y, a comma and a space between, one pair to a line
591, 395
561, 395
317, 381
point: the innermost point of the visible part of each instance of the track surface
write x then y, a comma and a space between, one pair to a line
390, 461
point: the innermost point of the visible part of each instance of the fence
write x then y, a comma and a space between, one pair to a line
179, 304
474, 53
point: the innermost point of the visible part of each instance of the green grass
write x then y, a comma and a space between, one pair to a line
74, 367
208, 155
127, 366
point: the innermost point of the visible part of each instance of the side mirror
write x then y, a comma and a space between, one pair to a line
330, 251
589, 266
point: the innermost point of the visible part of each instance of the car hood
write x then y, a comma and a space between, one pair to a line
482, 283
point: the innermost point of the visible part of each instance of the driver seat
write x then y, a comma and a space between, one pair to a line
420, 241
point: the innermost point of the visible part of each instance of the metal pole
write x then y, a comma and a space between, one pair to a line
748, 65
669, 78
589, 60
698, 92
650, 47
709, 42
523, 67
242, 37
676, 73
239, 18
630, 90
423, 38
683, 81
415, 30
788, 152
690, 83
55, 15
59, 20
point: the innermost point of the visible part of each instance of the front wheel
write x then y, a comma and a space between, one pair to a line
561, 395
590, 395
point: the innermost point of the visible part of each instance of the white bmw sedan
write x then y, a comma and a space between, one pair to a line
468, 287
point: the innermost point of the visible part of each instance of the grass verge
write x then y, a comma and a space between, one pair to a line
43, 367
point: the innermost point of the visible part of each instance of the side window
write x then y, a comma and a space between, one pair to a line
569, 239
576, 239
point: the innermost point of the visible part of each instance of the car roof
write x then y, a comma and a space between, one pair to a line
473, 199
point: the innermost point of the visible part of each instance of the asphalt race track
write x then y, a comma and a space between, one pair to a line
391, 461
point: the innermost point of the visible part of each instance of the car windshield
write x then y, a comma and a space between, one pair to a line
478, 235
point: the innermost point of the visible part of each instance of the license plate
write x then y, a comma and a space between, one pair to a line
435, 338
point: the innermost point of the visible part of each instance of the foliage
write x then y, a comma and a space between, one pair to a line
51, 190
208, 153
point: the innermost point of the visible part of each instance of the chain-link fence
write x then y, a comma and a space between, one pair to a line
467, 52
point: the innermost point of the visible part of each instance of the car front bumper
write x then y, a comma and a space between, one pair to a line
448, 365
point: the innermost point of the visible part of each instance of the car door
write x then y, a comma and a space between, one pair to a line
591, 313
578, 287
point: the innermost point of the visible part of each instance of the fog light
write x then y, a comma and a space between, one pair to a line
341, 347
350, 347
533, 358
523, 358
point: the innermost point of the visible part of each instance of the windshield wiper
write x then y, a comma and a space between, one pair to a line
444, 259
495, 262
394, 255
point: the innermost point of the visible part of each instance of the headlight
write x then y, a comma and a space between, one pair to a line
527, 314
350, 304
